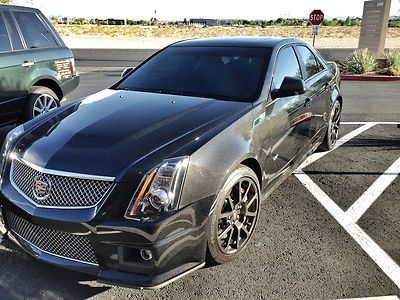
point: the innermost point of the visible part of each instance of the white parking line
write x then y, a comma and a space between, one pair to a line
380, 257
361, 123
376, 298
374, 191
348, 219
339, 143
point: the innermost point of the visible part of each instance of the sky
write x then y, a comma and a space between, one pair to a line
218, 9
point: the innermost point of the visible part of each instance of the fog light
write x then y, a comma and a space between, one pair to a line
146, 254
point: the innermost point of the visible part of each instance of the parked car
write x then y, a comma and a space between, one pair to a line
37, 70
150, 179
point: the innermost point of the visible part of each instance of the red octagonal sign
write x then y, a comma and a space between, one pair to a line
316, 17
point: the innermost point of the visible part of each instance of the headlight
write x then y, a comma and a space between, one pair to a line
7, 145
160, 189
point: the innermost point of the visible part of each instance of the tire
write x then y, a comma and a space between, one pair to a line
332, 133
232, 223
39, 98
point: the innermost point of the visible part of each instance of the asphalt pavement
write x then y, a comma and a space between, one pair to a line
321, 235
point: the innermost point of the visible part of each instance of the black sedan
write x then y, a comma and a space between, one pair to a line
165, 171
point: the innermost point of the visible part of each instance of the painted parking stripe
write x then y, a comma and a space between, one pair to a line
348, 220
339, 143
362, 123
379, 256
375, 298
374, 191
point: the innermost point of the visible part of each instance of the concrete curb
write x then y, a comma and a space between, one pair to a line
370, 77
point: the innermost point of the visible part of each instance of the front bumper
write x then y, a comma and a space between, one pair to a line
177, 242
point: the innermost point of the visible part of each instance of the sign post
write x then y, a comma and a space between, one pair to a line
316, 18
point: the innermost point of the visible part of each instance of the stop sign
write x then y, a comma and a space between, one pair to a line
316, 17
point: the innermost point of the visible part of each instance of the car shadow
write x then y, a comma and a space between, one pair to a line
22, 277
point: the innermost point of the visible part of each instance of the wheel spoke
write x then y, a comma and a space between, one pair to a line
250, 214
247, 191
240, 190
231, 203
251, 201
238, 239
50, 104
245, 230
230, 239
225, 231
40, 103
225, 215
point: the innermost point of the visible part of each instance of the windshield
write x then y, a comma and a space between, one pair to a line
227, 73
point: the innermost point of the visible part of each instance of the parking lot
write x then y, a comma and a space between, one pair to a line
330, 231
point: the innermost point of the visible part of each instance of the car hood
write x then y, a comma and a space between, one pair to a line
109, 131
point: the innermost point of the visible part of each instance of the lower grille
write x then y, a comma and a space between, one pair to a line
54, 242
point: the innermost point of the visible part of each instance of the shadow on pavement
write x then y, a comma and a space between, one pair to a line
55, 283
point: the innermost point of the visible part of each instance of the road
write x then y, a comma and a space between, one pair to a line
302, 248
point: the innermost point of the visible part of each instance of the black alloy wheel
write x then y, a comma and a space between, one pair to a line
332, 133
234, 217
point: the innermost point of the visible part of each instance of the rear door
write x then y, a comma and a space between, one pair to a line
51, 56
317, 80
16, 70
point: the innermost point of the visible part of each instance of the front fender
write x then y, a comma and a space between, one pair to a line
211, 164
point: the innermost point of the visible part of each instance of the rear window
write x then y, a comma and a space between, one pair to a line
5, 44
35, 33
227, 73
13, 32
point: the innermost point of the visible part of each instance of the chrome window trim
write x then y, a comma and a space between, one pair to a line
98, 204
49, 253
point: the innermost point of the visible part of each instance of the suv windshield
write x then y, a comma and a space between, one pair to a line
227, 73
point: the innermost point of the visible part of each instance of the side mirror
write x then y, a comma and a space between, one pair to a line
126, 72
290, 86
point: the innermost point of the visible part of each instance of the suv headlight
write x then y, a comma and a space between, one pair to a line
159, 190
7, 146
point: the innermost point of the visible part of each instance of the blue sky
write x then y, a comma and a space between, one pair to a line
178, 9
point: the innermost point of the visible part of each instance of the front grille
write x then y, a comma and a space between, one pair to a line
63, 191
55, 242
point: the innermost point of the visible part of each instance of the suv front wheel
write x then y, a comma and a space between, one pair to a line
40, 100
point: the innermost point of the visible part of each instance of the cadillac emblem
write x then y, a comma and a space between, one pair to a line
41, 187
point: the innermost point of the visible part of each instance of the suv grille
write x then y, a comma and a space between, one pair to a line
55, 242
59, 191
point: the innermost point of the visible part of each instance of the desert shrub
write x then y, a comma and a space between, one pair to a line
392, 64
360, 62
326, 54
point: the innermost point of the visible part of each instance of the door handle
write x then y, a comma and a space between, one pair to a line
307, 103
27, 64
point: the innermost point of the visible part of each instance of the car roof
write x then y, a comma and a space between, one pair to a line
256, 42
17, 7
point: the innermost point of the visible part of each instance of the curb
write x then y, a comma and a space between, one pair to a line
370, 77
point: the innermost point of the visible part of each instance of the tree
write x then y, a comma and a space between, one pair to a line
6, 1
347, 22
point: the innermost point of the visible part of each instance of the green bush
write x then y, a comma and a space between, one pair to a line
360, 62
392, 63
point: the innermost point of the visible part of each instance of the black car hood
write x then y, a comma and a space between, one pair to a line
111, 130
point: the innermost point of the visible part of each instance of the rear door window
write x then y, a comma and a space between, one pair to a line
13, 32
5, 44
35, 33
311, 65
